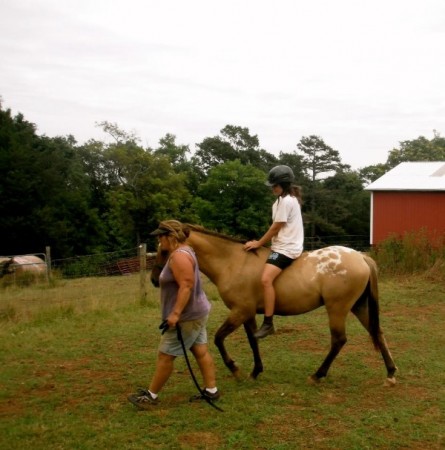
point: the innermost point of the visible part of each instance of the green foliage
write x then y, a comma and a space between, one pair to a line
345, 204
142, 189
296, 163
325, 211
177, 154
18, 183
119, 135
92, 265
371, 173
234, 200
235, 143
318, 157
420, 149
45, 193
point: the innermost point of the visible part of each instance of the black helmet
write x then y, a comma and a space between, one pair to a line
280, 174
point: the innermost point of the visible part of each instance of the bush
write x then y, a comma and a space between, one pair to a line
413, 253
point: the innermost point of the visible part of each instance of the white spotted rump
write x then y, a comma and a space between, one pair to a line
329, 260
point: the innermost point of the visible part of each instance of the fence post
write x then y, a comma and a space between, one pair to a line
48, 263
143, 273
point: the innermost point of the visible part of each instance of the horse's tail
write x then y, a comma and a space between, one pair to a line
373, 302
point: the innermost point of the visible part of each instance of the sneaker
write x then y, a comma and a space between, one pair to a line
143, 399
265, 330
205, 394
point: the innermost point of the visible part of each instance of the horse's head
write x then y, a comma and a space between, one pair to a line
161, 259
5, 266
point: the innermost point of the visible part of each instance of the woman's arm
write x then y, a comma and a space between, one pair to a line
183, 270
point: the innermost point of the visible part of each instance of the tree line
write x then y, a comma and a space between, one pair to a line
98, 197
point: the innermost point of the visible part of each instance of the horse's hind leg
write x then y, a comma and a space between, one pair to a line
360, 310
338, 340
229, 326
250, 328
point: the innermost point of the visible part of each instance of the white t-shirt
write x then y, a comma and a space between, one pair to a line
289, 240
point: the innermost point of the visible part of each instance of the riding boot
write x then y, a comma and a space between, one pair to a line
266, 328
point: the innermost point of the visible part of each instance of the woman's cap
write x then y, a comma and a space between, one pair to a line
172, 228
161, 230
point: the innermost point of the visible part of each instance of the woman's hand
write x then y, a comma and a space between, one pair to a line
173, 319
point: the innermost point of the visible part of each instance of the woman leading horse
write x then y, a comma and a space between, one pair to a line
339, 278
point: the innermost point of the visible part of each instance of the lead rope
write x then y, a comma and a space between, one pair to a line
201, 391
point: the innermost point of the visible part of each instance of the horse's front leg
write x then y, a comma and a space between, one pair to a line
229, 326
250, 327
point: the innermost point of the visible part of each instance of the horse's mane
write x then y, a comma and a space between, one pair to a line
203, 230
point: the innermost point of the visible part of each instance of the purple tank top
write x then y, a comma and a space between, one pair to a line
198, 305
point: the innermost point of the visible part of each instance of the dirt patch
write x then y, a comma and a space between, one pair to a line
11, 408
197, 440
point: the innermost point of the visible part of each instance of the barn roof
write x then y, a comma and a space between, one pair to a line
412, 176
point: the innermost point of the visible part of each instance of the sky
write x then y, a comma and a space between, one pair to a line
362, 75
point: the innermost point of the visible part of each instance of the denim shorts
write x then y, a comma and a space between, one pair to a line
193, 332
279, 260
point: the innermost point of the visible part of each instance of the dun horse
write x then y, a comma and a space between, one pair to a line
339, 278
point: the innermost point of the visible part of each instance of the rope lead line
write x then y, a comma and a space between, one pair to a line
201, 391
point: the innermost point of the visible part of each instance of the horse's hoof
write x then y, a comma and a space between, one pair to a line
390, 382
254, 375
314, 380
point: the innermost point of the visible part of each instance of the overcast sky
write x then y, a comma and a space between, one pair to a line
363, 75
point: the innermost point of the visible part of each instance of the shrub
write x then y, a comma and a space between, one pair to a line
414, 252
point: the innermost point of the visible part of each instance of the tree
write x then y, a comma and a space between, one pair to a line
68, 221
148, 190
318, 159
181, 164
96, 168
119, 135
234, 143
420, 149
176, 153
45, 193
18, 185
345, 204
212, 152
295, 162
233, 200
371, 173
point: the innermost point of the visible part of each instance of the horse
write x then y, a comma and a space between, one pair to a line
22, 265
340, 278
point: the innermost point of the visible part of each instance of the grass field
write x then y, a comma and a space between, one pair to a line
70, 355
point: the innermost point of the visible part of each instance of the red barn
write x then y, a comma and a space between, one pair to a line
409, 198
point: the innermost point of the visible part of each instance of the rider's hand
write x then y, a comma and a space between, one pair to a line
251, 245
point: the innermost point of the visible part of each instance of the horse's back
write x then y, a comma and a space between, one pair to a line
29, 263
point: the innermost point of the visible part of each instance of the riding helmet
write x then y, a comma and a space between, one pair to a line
280, 174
